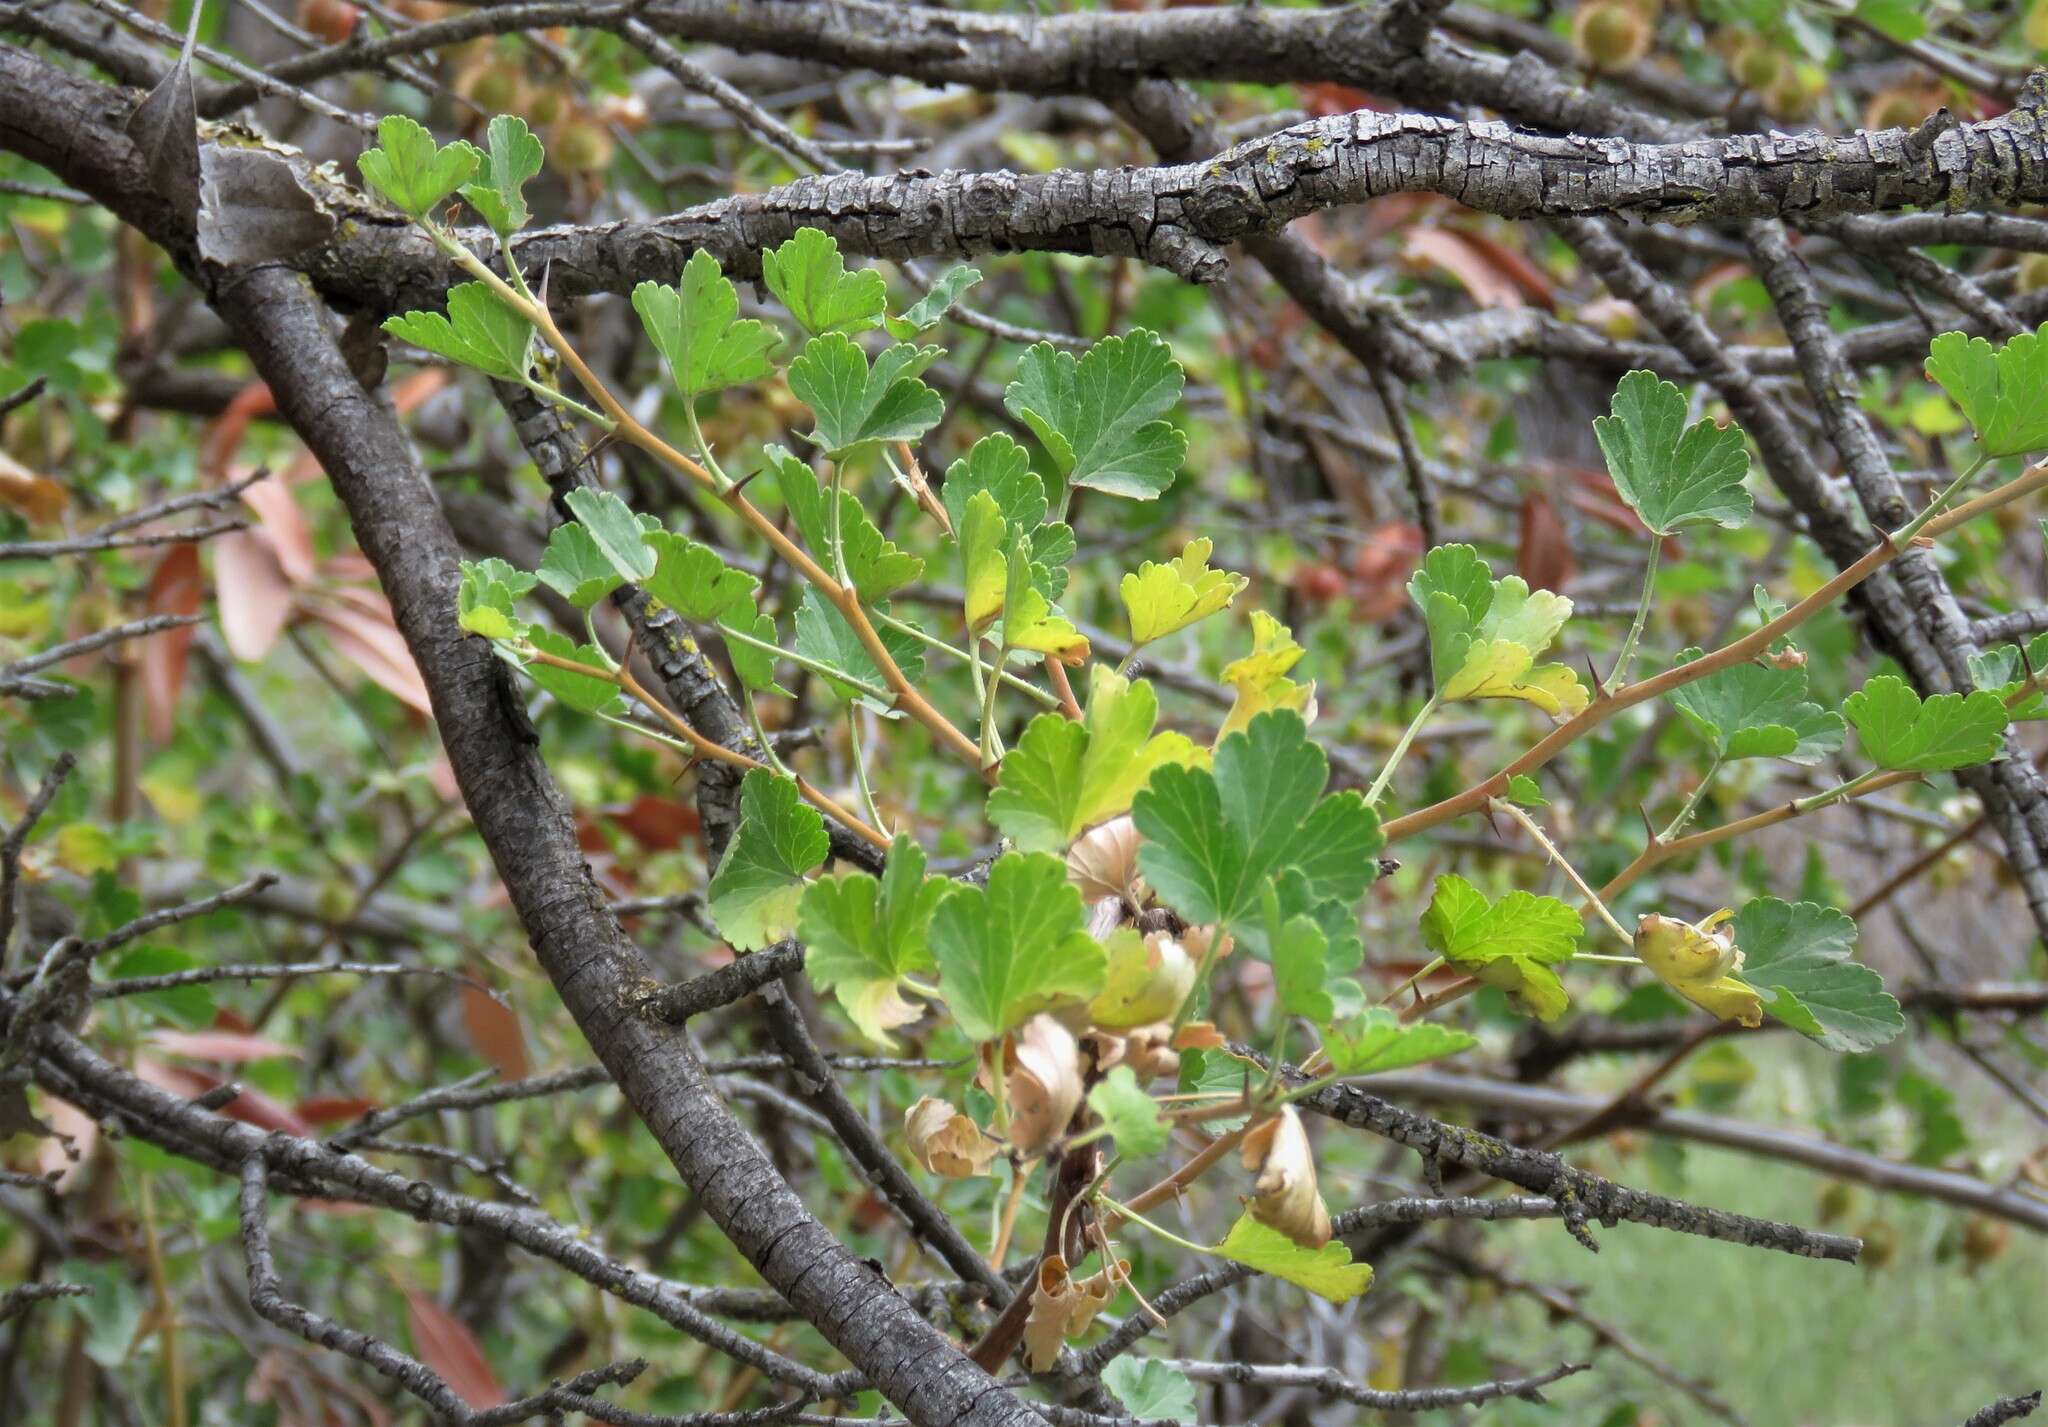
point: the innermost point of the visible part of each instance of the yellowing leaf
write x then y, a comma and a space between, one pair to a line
1164, 599
1327, 1272
1485, 634
1149, 976
1284, 1194
1698, 962
1260, 677
945, 1141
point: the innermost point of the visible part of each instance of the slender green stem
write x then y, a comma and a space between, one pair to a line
932, 641
1598, 959
1501, 805
924, 989
774, 759
710, 457
1430, 969
654, 733
838, 551
1692, 803
1124, 1211
569, 403
1934, 507
858, 746
1130, 658
804, 661
1837, 793
1379, 784
590, 628
991, 748
1635, 630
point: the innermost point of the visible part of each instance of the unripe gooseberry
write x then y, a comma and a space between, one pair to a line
1611, 35
1984, 1239
2033, 272
1759, 67
580, 146
1880, 1243
495, 88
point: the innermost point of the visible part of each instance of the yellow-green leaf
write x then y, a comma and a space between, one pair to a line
1327, 1272
1164, 599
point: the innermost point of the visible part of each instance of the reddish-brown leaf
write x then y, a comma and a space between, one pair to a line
1543, 554
225, 436
372, 643
1380, 568
70, 1123
656, 823
251, 1107
252, 591
332, 1109
1451, 251
494, 1031
236, 1046
176, 587
1514, 265
280, 518
37, 497
447, 1346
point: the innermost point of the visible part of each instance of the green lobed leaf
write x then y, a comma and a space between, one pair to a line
2005, 672
479, 331
1296, 948
1009, 950
876, 567
616, 530
1064, 777
484, 603
1899, 730
1150, 1390
581, 692
1510, 944
190, 1007
513, 157
1327, 1272
411, 170
824, 637
697, 327
575, 568
1671, 474
1130, 1113
1377, 1041
865, 936
1998, 389
1213, 837
1801, 955
1098, 414
856, 406
1485, 634
692, 580
754, 896
1758, 711
926, 312
810, 278
1526, 792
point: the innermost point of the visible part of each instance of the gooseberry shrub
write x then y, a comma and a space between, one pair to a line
1136, 863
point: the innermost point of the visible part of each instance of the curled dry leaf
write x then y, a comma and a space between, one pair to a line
1197, 939
1042, 1083
37, 497
1699, 962
1199, 1035
1285, 1195
1147, 1050
1063, 1307
945, 1141
1103, 862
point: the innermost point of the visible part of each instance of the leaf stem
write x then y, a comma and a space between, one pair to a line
858, 747
1635, 630
932, 641
1379, 784
1126, 1212
1692, 802
1542, 839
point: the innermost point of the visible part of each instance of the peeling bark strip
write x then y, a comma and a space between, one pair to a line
525, 824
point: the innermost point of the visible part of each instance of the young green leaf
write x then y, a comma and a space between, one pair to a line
1327, 1272
1485, 634
984, 538
694, 582
1164, 599
1148, 975
1801, 956
855, 406
1510, 944
697, 327
1898, 730
998, 465
1098, 414
1130, 1114
575, 568
1296, 948
1671, 474
1259, 678
754, 896
1758, 711
1001, 580
1998, 389
1064, 777
810, 277
2005, 671
1150, 1390
484, 602
874, 565
1526, 792
1014, 947
617, 531
190, 1007
1377, 1041
479, 331
411, 170
1214, 838
825, 638
925, 313
581, 692
866, 936
514, 156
